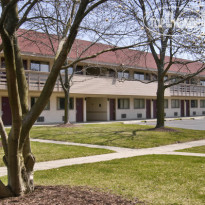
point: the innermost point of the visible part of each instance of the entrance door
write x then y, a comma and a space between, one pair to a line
148, 109
182, 108
6, 116
112, 109
187, 108
79, 109
155, 108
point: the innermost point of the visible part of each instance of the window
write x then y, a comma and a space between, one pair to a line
111, 73
202, 103
40, 66
147, 76
25, 65
123, 74
61, 103
166, 103
34, 99
175, 103
202, 82
194, 103
139, 76
3, 65
139, 103
70, 71
123, 103
79, 70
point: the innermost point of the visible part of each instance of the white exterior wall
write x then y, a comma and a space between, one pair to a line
131, 114
54, 115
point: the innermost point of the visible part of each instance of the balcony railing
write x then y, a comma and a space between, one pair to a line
188, 90
88, 84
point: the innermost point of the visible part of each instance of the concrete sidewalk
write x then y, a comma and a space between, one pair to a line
120, 154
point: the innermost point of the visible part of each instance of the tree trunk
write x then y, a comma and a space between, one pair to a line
67, 106
160, 104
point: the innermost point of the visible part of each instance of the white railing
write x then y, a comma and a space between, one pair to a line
187, 90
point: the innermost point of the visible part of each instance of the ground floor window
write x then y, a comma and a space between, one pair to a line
139, 103
194, 103
202, 103
175, 103
34, 99
165, 103
61, 103
124, 103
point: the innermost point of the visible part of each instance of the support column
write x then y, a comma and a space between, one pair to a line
84, 110
108, 109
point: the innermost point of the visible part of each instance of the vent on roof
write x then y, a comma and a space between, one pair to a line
40, 119
139, 115
123, 115
203, 112
175, 114
194, 113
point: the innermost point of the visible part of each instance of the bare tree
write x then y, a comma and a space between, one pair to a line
167, 27
18, 156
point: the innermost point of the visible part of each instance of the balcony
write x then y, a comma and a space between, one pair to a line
188, 90
87, 84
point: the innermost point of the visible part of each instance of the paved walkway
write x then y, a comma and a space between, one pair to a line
120, 153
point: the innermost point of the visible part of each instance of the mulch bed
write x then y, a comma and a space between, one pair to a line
163, 129
56, 195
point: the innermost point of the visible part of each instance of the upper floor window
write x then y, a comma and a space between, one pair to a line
61, 103
111, 73
139, 76
70, 71
139, 103
79, 70
202, 82
124, 103
194, 103
3, 65
40, 66
34, 99
123, 74
175, 103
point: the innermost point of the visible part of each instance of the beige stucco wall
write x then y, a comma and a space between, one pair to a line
96, 109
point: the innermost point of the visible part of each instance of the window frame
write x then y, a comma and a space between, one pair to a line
138, 75
202, 105
174, 104
123, 100
123, 74
47, 107
194, 103
71, 103
40, 64
141, 103
166, 102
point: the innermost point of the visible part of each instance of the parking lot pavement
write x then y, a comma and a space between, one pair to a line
193, 124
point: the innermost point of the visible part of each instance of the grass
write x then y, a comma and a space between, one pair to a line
200, 149
116, 134
47, 152
157, 179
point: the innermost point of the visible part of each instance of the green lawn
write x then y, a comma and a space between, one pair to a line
157, 179
47, 152
116, 134
200, 149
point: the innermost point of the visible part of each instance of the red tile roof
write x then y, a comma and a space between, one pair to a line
32, 42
